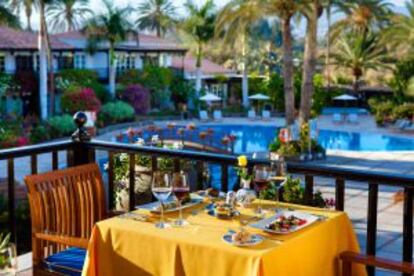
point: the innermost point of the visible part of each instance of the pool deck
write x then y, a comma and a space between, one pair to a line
389, 240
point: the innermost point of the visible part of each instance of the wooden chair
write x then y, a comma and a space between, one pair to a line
348, 258
64, 206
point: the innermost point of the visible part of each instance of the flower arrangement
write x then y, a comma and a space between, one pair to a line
242, 170
191, 126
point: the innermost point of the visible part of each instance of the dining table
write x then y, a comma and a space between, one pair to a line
131, 245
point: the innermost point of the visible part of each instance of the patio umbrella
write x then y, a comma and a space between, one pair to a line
209, 97
259, 97
345, 97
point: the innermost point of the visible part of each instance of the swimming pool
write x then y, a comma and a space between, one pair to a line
254, 138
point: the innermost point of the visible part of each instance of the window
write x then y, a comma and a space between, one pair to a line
65, 62
24, 63
80, 61
2, 63
125, 62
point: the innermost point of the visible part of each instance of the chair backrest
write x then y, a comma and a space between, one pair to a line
251, 114
337, 117
203, 115
266, 114
67, 202
353, 117
217, 115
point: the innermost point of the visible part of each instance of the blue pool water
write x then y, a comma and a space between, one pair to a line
257, 138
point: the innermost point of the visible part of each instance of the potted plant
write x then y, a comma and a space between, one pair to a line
8, 257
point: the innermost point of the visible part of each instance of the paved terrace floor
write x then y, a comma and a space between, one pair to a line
389, 240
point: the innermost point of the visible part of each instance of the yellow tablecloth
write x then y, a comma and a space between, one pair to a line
121, 246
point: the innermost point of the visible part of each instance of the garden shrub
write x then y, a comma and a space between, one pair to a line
405, 111
69, 79
130, 76
80, 100
181, 91
137, 96
61, 126
116, 112
39, 133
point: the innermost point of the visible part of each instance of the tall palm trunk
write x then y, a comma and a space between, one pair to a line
42, 64
198, 70
309, 64
112, 70
245, 80
28, 12
288, 72
51, 75
328, 46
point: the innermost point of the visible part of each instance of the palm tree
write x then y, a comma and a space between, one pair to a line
27, 5
285, 10
400, 34
200, 25
312, 10
110, 26
156, 15
234, 22
361, 15
67, 15
358, 53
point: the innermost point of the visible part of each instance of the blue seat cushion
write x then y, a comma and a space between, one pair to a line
68, 262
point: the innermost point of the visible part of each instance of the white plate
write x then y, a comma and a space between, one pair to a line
301, 215
153, 206
255, 240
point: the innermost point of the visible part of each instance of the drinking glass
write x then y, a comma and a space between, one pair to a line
181, 188
161, 189
261, 180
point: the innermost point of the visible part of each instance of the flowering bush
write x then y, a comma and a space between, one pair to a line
138, 96
80, 100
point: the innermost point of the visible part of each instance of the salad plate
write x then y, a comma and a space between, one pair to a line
285, 222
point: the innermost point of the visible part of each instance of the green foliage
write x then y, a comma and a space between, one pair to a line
39, 134
83, 99
70, 80
6, 82
403, 73
116, 112
181, 91
405, 111
61, 126
276, 92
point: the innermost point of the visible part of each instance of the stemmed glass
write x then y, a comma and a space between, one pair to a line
161, 189
181, 189
261, 180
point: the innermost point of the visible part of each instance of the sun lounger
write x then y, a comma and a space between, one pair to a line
203, 115
217, 115
409, 128
251, 115
402, 124
337, 118
266, 115
353, 118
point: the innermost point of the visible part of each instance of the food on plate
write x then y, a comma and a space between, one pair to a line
241, 237
212, 192
223, 210
285, 224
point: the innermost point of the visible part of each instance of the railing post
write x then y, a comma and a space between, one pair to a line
408, 226
200, 173
80, 153
308, 189
339, 194
11, 198
372, 223
224, 177
132, 182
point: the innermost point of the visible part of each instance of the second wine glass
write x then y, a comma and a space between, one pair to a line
161, 189
181, 188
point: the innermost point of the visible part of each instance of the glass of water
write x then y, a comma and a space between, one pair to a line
161, 189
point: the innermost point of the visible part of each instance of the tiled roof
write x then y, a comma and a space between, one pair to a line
146, 42
22, 40
207, 67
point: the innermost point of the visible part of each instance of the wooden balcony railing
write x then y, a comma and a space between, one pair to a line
80, 151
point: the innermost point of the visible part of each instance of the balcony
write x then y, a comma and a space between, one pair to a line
68, 153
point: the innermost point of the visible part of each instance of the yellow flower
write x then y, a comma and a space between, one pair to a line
242, 160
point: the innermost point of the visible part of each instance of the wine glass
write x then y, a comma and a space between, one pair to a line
261, 180
181, 188
161, 189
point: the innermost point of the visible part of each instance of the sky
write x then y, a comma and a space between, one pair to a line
97, 6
